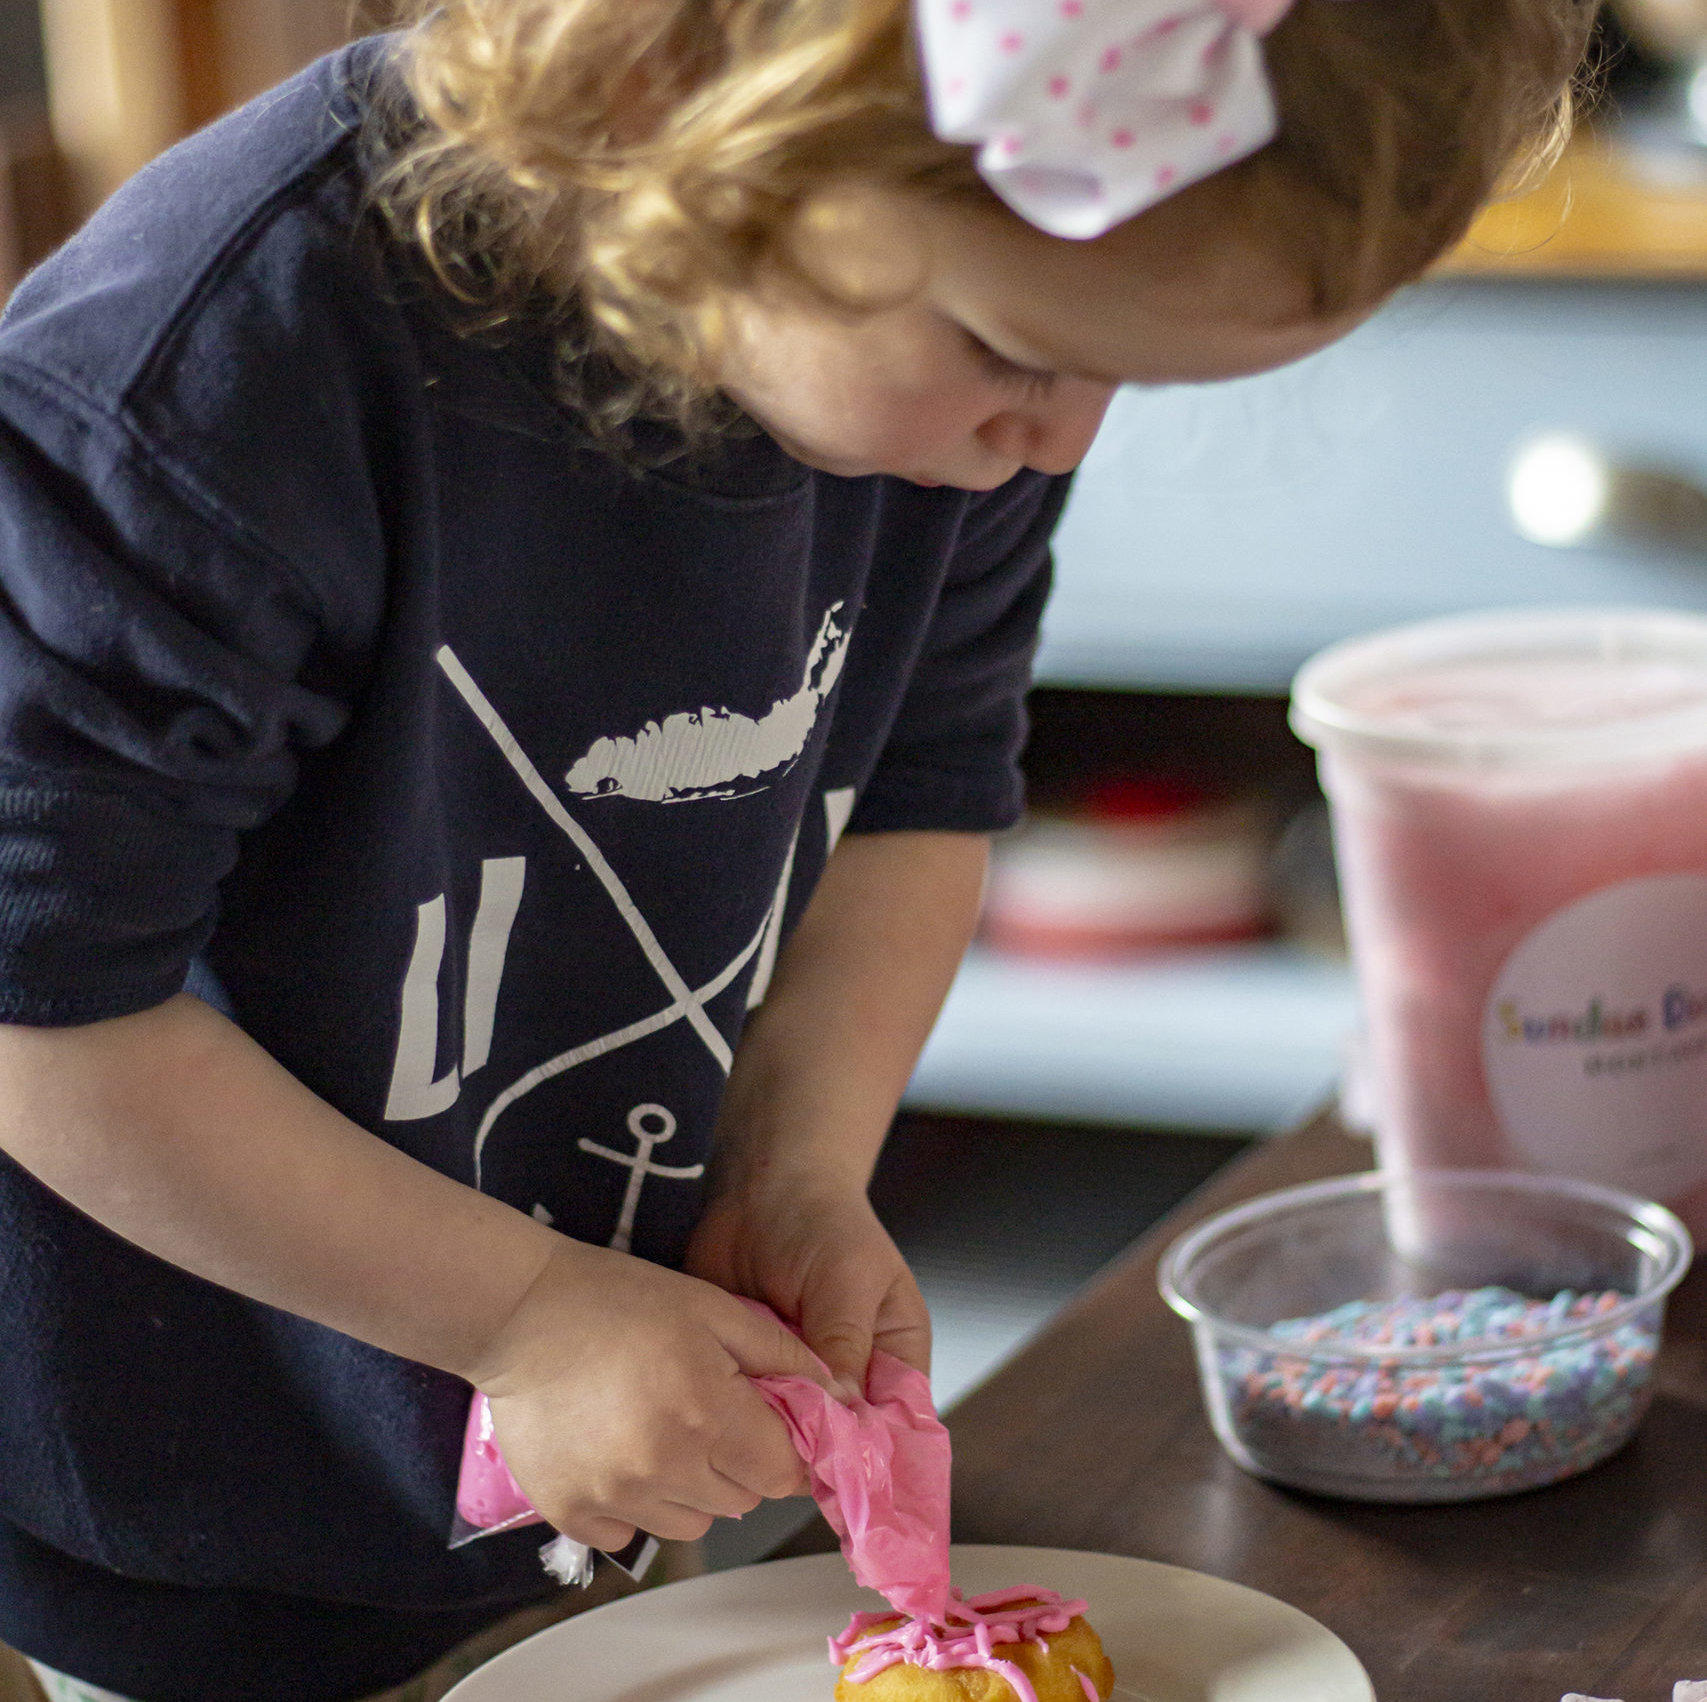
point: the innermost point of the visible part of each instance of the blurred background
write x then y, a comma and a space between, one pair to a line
1162, 973
92, 89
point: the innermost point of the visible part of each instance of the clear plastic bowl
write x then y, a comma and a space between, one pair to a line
1474, 1417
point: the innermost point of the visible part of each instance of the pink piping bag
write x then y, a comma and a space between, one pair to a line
489, 1500
878, 1466
879, 1469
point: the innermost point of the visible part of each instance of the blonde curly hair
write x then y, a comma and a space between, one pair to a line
622, 166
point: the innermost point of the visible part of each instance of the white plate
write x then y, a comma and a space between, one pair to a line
757, 1634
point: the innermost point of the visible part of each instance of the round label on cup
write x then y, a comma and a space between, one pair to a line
1595, 1038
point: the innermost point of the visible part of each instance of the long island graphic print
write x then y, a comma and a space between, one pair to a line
710, 757
716, 753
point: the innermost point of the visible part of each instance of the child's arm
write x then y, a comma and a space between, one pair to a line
618, 1385
817, 1077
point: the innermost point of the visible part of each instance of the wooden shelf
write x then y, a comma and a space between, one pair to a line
1606, 211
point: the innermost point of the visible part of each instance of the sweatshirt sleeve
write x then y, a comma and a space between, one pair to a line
951, 762
157, 691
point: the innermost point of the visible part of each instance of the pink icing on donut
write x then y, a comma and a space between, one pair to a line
1092, 1694
968, 1637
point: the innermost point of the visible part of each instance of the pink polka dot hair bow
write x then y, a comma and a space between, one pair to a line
1086, 112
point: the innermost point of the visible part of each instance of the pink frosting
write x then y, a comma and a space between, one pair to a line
487, 1494
969, 1634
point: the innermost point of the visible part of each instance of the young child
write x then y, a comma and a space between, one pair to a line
520, 553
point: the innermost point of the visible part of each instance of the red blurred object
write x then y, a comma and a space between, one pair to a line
1143, 864
1155, 799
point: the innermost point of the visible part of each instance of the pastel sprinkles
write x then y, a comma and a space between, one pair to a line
1493, 1424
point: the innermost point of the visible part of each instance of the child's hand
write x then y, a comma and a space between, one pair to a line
620, 1397
818, 1073
823, 1261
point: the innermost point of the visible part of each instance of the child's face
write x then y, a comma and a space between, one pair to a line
1007, 345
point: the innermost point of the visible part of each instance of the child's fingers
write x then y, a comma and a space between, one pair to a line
712, 1490
734, 1500
595, 1530
756, 1452
838, 1319
760, 1471
761, 1347
861, 1295
683, 1517
904, 1324
844, 1344
909, 1341
673, 1521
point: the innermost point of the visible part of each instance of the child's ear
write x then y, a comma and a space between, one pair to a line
861, 246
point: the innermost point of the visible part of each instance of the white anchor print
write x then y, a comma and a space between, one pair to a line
640, 1165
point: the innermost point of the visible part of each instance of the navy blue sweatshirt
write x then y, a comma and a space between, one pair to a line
347, 680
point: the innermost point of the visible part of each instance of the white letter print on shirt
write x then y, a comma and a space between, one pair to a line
686, 1004
838, 806
414, 1093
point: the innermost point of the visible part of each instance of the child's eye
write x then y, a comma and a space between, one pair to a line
1033, 381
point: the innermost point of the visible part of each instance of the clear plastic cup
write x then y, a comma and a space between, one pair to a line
1520, 816
1295, 1399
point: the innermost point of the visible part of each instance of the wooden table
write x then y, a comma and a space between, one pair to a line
1094, 1437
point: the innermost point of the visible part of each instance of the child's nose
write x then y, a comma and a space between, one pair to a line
1051, 433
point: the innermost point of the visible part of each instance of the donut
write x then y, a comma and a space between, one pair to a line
1020, 1645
